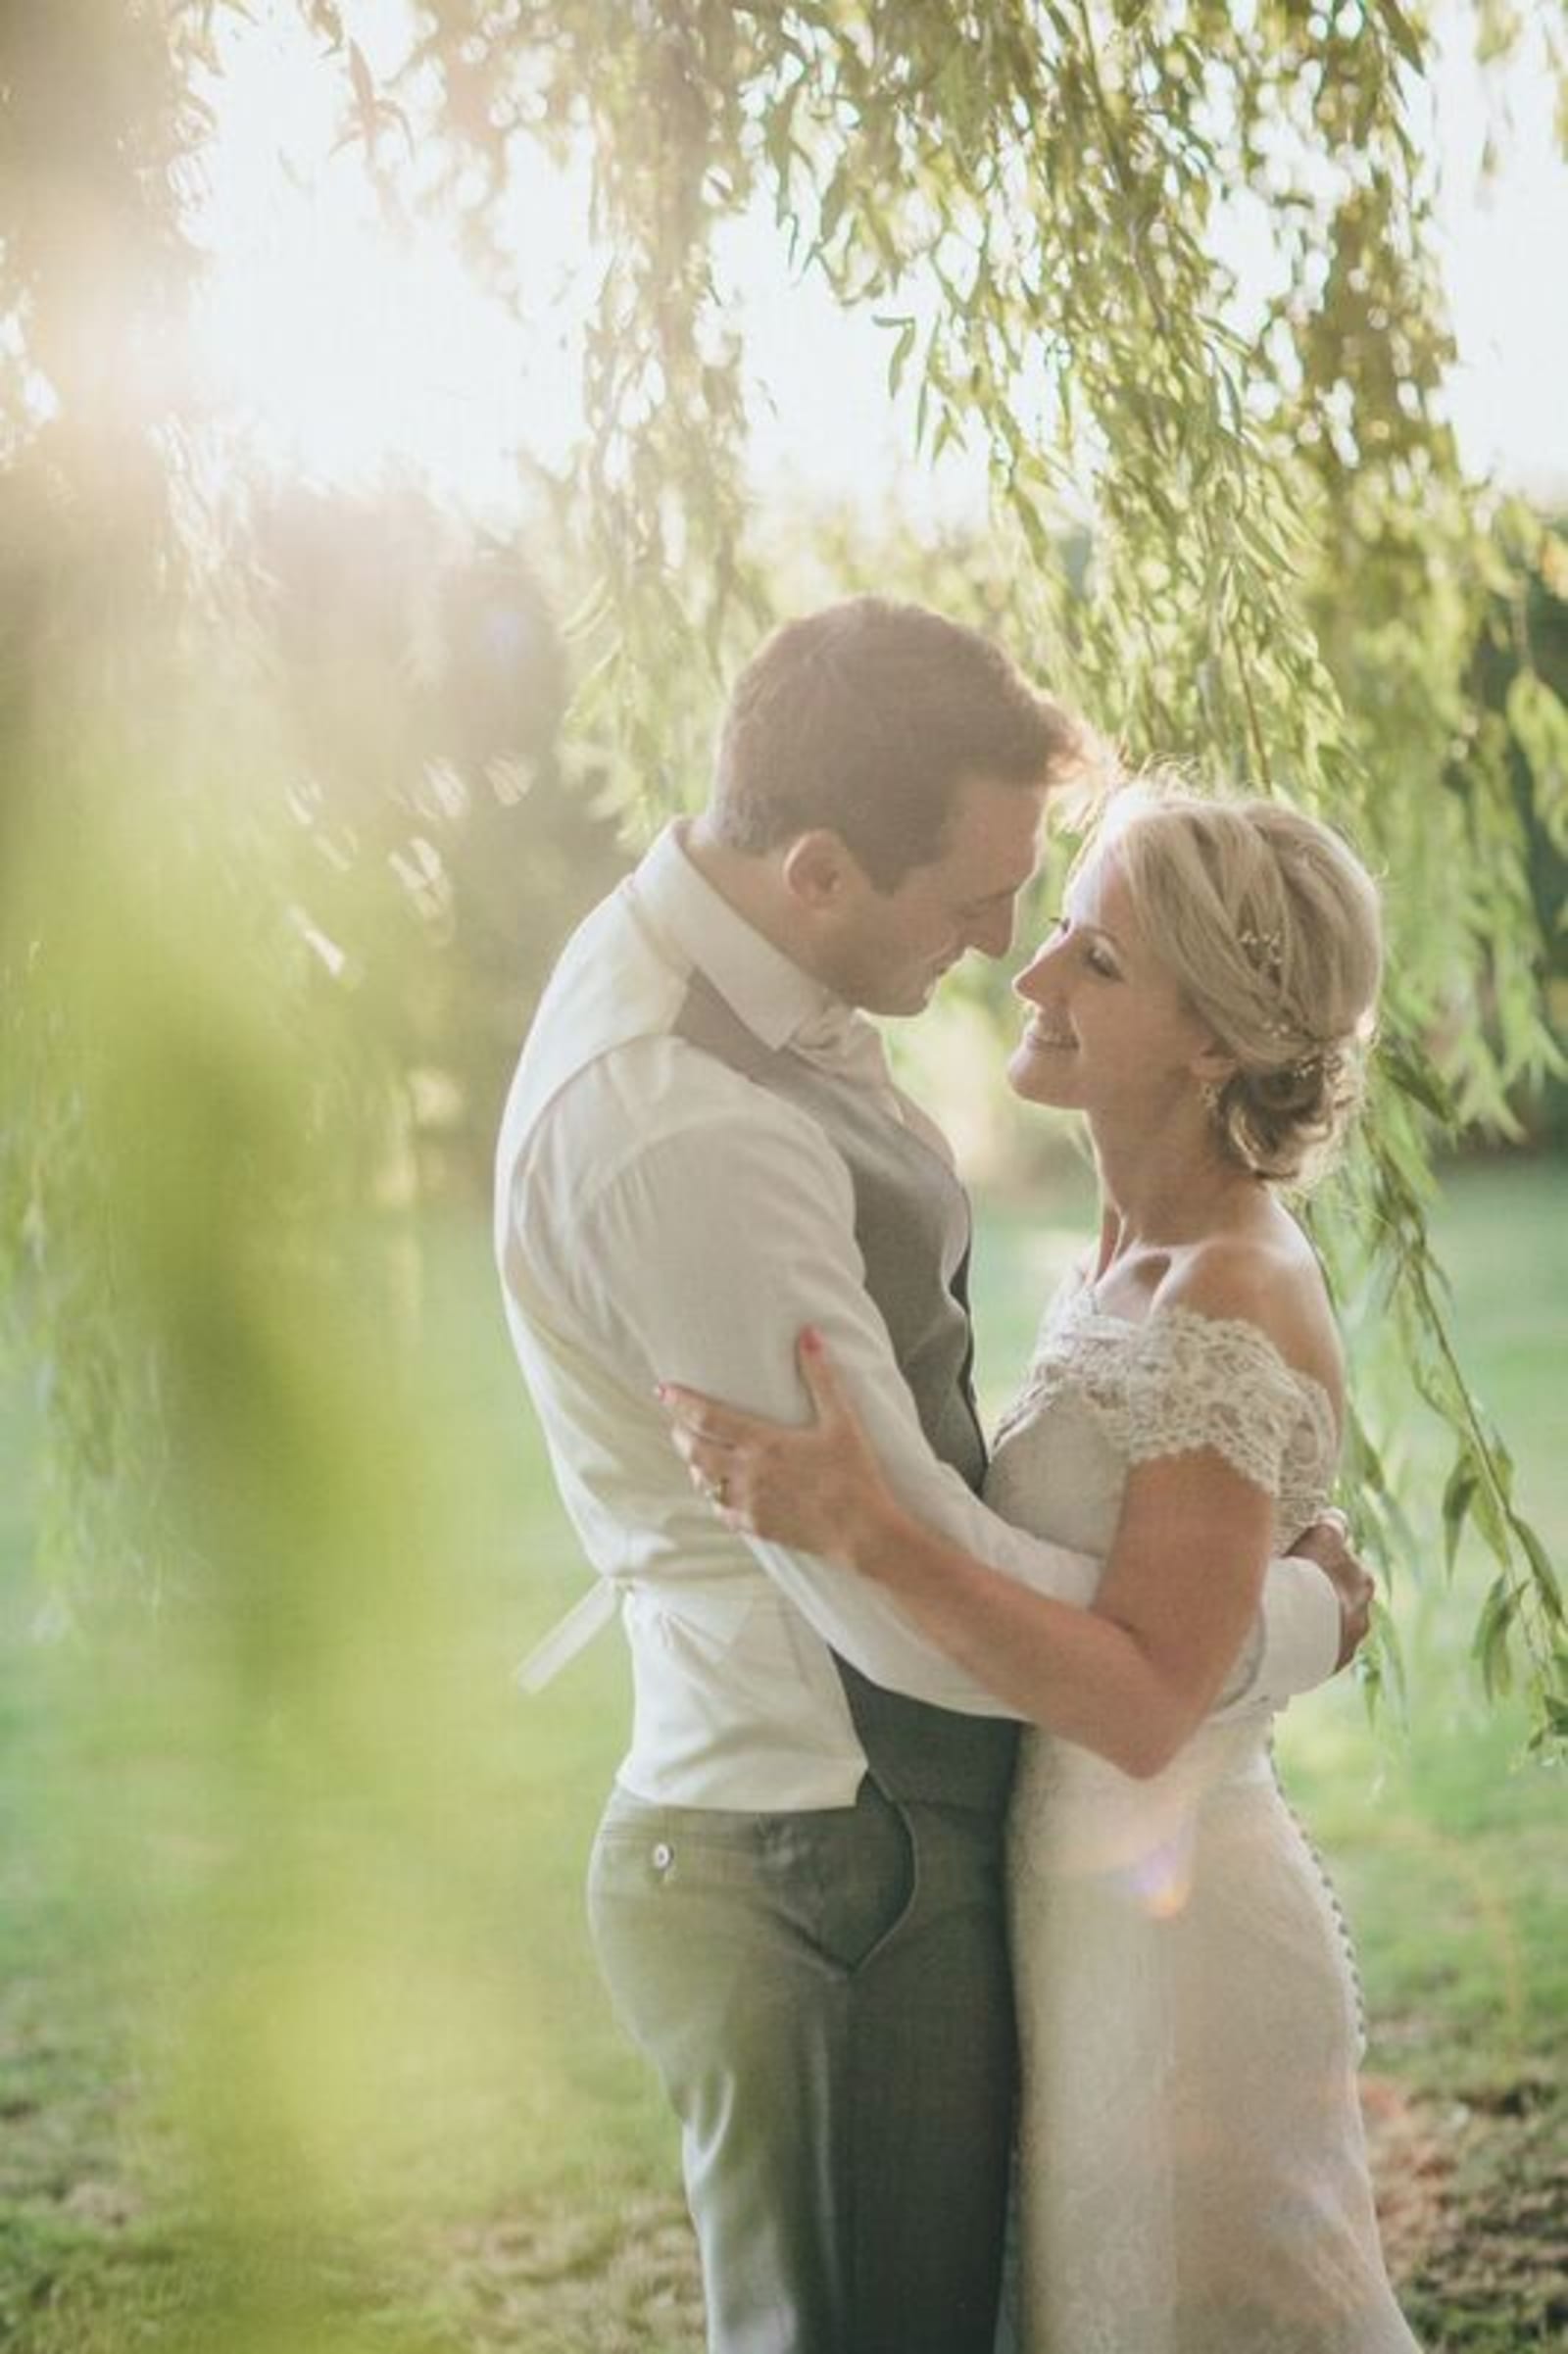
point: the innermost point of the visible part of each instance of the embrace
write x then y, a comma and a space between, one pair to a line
903, 1967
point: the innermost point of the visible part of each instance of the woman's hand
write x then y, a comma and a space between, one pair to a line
820, 1488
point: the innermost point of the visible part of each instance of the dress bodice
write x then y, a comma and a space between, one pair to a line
1103, 1394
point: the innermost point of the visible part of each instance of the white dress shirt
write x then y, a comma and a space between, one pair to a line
658, 1217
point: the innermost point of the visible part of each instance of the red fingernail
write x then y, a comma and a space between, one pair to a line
811, 1340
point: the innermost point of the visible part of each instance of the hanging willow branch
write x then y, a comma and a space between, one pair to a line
1284, 579
1288, 572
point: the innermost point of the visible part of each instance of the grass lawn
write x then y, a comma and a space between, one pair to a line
302, 2050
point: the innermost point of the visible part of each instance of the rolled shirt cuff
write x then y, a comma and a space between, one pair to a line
1300, 1632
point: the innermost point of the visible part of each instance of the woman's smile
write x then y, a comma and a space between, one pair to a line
1038, 1033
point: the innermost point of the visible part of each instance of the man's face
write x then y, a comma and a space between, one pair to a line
889, 949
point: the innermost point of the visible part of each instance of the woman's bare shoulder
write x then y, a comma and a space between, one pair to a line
1267, 1277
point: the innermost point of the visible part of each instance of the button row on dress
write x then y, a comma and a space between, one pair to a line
1341, 1925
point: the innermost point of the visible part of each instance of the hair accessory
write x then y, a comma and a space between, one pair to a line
1263, 951
1323, 1062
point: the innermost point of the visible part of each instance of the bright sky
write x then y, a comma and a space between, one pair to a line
345, 350
1506, 244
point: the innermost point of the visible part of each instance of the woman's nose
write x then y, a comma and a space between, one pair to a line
1028, 983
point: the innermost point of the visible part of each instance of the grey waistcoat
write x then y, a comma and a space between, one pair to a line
911, 1222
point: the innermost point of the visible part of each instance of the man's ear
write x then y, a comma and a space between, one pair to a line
819, 869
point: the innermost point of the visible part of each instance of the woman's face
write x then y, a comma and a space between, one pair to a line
1108, 1031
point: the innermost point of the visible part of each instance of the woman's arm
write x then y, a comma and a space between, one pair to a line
1131, 1678
1135, 1675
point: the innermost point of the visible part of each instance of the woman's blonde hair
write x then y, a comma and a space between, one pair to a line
1272, 929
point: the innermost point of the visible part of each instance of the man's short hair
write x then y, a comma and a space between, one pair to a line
864, 718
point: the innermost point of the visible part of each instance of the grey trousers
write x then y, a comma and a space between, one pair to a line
826, 1999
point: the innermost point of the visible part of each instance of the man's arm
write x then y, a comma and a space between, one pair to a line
699, 1260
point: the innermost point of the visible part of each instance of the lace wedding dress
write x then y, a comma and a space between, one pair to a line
1193, 2177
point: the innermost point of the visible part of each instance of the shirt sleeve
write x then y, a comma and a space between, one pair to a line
698, 1260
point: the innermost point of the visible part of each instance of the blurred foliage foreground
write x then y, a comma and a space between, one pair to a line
300, 794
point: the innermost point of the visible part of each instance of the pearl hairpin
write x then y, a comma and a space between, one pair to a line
1264, 949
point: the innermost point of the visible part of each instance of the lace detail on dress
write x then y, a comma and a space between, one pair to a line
1184, 1381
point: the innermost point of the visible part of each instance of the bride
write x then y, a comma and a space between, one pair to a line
1193, 2176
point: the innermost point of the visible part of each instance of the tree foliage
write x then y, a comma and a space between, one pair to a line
1287, 576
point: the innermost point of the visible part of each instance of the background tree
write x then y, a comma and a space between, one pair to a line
1034, 199
1287, 576
301, 790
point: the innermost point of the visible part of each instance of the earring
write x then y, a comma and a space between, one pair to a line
1209, 1094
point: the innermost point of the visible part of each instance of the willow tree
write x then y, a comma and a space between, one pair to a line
1288, 575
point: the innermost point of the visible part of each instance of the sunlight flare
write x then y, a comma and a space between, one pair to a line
343, 342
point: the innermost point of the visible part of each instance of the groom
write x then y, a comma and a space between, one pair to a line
796, 1892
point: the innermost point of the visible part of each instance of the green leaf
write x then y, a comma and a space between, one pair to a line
1458, 1498
1414, 1072
903, 344
1544, 1575
1490, 1645
1539, 720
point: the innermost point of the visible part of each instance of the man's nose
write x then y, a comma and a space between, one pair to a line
992, 934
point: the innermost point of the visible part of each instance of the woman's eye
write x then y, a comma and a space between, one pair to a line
1098, 962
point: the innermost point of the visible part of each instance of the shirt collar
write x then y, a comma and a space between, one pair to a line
770, 993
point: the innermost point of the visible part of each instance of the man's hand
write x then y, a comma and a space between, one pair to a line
1327, 1543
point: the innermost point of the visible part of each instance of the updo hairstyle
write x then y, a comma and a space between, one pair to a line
1272, 929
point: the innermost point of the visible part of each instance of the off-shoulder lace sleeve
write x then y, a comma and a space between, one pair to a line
1194, 1381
